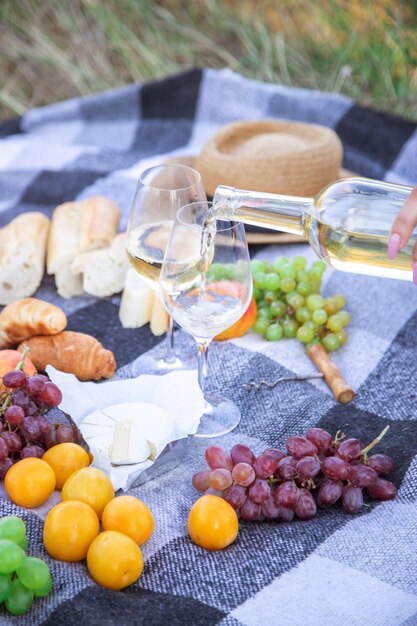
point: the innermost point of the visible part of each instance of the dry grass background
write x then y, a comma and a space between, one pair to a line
54, 49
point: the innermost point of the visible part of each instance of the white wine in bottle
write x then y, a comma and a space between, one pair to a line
347, 223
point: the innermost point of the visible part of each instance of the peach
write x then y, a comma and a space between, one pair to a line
10, 358
242, 325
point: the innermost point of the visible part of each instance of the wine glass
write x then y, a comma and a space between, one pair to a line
161, 191
206, 286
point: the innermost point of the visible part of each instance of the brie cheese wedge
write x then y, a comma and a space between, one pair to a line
98, 418
92, 430
128, 433
128, 445
97, 429
151, 423
100, 441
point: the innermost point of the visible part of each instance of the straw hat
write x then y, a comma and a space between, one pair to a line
272, 156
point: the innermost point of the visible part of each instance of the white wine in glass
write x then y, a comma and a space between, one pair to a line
200, 245
161, 191
146, 248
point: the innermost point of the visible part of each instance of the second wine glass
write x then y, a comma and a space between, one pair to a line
206, 285
161, 191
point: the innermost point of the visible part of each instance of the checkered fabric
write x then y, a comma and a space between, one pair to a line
337, 569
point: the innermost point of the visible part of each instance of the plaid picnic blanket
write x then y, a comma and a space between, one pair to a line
337, 569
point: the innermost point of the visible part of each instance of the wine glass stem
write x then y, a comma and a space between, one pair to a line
202, 354
169, 341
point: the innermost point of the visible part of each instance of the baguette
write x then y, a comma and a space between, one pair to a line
28, 317
22, 255
62, 249
159, 317
99, 220
79, 227
71, 352
103, 271
137, 301
140, 304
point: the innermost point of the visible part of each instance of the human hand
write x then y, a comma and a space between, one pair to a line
401, 230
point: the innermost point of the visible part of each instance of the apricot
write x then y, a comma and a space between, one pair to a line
212, 523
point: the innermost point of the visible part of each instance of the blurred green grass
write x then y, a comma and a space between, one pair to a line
51, 50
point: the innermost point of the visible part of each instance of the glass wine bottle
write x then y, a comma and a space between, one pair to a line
347, 223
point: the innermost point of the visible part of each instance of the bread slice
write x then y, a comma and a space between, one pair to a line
67, 283
103, 271
79, 227
22, 255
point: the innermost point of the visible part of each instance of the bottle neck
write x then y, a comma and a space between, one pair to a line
265, 210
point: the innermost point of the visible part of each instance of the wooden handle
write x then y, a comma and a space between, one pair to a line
342, 392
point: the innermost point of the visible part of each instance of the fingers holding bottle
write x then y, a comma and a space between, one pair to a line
415, 264
403, 226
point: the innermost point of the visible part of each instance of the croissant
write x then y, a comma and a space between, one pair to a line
29, 317
71, 352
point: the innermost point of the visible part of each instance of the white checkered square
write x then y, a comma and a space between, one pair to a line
372, 542
225, 97
321, 591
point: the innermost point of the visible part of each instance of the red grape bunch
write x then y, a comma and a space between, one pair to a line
316, 470
25, 431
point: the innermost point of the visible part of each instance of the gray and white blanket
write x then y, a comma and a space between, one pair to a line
337, 569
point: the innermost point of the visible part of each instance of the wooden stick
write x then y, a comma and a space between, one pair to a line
342, 392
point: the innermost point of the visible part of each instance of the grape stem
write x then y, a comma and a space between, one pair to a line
338, 437
22, 360
5, 403
373, 443
309, 484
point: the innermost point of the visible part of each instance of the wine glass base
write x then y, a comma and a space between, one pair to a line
220, 416
175, 363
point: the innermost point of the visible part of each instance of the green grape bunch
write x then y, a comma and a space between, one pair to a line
22, 577
290, 304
